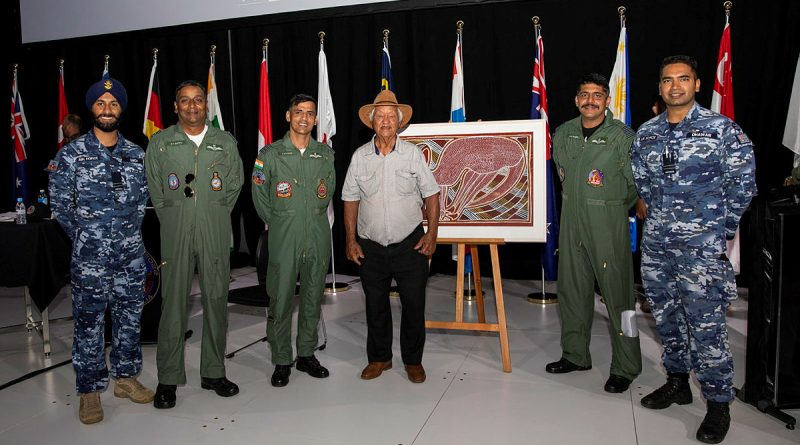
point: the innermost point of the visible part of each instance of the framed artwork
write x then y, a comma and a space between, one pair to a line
491, 177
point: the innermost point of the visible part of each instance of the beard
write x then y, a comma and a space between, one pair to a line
106, 126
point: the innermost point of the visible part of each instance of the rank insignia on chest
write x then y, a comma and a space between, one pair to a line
595, 178
283, 190
259, 178
259, 164
322, 189
216, 182
173, 182
52, 166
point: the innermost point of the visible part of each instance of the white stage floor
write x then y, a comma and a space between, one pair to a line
467, 398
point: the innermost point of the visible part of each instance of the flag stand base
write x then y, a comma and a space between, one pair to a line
333, 287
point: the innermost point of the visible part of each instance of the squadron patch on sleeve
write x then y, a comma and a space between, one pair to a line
595, 178
283, 190
52, 166
173, 182
259, 178
743, 139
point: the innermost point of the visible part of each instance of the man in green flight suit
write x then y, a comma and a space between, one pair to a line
592, 154
194, 174
293, 182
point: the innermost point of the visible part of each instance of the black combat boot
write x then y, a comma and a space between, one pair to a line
676, 390
716, 423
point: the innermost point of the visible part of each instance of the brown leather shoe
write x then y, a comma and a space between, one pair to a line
374, 369
416, 373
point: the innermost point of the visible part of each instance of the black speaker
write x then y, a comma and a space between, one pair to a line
772, 368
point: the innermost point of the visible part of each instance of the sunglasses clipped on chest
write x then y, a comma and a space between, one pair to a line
188, 191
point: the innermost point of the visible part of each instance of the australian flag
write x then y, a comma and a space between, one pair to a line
539, 111
19, 134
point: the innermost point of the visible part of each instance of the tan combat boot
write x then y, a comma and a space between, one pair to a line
131, 388
90, 409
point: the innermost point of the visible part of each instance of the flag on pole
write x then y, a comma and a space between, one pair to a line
326, 119
539, 111
620, 101
152, 111
105, 75
722, 97
619, 79
386, 65
214, 112
722, 103
457, 109
264, 111
791, 133
19, 134
63, 111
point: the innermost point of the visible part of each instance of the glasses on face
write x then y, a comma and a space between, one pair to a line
188, 191
583, 95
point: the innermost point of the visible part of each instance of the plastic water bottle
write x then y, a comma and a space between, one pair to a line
42, 197
21, 216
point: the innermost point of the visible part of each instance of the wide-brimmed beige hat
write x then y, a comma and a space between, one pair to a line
385, 97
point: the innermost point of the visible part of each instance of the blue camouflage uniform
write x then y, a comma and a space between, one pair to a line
694, 205
99, 196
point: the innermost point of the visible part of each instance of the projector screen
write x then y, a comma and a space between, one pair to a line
52, 20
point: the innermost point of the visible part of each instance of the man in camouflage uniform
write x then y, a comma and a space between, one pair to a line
592, 153
696, 171
98, 195
194, 173
293, 182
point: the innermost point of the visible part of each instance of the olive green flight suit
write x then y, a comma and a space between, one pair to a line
195, 231
594, 242
291, 193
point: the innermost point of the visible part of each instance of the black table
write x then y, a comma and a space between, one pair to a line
35, 255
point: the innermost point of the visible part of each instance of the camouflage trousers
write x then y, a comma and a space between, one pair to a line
689, 295
95, 287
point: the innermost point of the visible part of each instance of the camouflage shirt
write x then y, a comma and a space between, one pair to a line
99, 196
697, 179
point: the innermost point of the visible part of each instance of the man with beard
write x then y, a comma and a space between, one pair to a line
592, 156
696, 171
98, 191
195, 175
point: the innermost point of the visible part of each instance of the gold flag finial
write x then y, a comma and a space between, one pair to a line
460, 25
321, 35
61, 63
155, 53
621, 10
535, 20
728, 5
106, 57
265, 42
213, 49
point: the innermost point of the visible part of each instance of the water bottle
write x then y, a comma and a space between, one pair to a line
42, 197
21, 216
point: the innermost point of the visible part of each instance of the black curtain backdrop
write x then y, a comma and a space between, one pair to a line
580, 36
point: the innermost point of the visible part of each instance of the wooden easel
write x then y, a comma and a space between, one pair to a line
459, 323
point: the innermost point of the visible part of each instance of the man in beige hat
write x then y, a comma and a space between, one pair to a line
388, 183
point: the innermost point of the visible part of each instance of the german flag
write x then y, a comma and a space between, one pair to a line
152, 112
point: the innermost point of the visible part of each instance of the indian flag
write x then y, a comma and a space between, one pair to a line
214, 112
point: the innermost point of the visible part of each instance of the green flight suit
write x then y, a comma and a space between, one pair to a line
195, 231
594, 243
291, 193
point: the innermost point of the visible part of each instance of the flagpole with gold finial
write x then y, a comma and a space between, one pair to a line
727, 5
